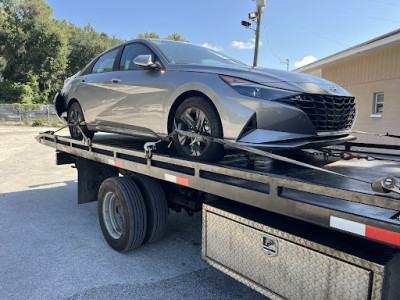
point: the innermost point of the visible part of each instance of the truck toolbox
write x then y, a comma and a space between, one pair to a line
284, 258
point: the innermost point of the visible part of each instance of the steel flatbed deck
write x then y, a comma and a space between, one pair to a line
323, 199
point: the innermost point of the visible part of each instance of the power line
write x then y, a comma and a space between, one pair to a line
385, 2
305, 29
269, 46
330, 10
319, 35
368, 17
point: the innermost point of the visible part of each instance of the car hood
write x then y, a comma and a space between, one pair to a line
275, 78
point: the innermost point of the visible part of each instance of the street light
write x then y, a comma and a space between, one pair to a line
246, 24
255, 17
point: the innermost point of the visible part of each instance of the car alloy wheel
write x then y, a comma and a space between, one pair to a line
194, 120
198, 115
75, 116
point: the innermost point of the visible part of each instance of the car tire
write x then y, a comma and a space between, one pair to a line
156, 207
187, 115
122, 213
75, 114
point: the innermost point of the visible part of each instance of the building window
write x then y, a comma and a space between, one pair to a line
378, 105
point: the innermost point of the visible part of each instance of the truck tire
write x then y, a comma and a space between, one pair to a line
122, 213
156, 207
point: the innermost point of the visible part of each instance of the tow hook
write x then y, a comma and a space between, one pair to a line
149, 147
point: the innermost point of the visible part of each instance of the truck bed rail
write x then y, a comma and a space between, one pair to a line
309, 195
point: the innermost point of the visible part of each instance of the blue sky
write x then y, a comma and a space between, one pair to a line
291, 29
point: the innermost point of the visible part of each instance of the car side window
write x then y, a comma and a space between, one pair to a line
130, 53
106, 62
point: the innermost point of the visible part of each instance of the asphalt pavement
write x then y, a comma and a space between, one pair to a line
53, 248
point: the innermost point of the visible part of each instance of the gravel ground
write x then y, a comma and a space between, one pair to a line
51, 247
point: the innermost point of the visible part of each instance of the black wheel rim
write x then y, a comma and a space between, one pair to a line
75, 117
194, 120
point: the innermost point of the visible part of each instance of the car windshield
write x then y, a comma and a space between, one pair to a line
183, 53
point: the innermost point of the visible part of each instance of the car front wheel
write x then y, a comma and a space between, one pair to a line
196, 115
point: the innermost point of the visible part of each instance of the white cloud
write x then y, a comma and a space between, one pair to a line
244, 45
209, 46
305, 61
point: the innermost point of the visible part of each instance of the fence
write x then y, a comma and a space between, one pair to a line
16, 113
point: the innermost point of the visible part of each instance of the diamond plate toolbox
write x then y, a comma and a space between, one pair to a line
284, 258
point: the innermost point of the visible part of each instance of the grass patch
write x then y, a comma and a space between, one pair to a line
26, 122
54, 123
34, 123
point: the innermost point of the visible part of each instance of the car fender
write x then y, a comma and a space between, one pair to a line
227, 107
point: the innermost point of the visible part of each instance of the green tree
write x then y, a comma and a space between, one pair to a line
37, 52
32, 44
2, 64
18, 93
147, 35
84, 44
152, 35
176, 37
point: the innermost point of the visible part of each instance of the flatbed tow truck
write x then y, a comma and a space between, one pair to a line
289, 231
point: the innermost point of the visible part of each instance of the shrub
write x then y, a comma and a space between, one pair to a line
37, 122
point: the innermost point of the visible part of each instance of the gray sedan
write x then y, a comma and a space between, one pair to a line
148, 87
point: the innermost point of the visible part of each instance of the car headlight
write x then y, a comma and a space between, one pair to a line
251, 89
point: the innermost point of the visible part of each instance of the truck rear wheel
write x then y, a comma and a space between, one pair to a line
122, 213
156, 206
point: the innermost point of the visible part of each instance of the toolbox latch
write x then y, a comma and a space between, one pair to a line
270, 245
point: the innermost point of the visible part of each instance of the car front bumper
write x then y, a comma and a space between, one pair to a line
275, 140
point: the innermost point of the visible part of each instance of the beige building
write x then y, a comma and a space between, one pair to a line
371, 72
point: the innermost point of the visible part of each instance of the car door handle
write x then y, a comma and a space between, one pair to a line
116, 80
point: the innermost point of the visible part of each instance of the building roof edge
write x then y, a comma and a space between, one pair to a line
385, 39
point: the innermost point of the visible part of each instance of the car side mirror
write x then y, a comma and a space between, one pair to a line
145, 61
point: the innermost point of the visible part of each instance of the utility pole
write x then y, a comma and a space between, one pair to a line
260, 9
287, 64
256, 17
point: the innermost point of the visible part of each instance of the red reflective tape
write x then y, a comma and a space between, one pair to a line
176, 179
182, 181
118, 163
68, 150
382, 235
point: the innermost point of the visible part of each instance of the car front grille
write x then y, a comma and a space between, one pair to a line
327, 113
